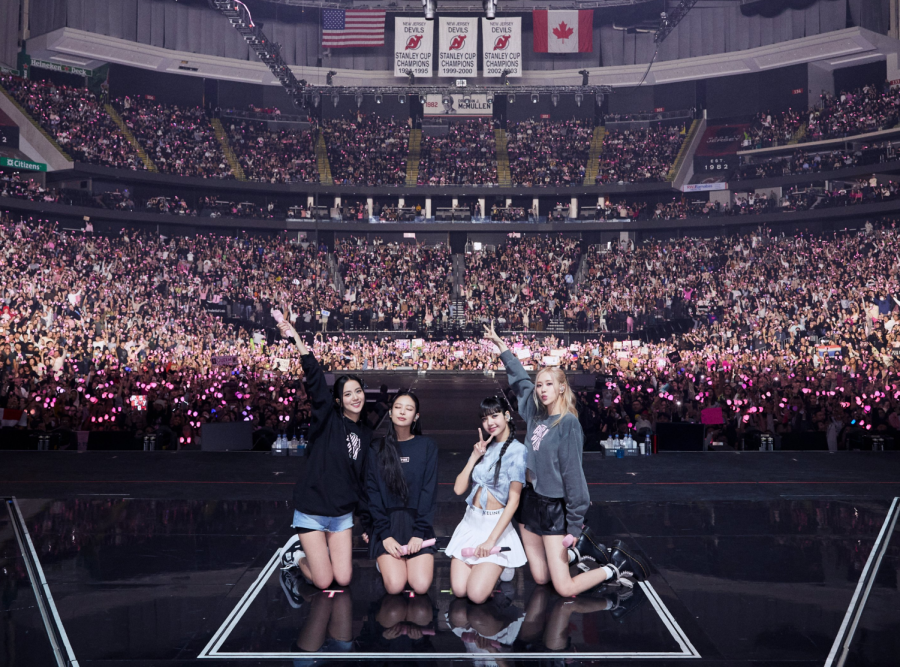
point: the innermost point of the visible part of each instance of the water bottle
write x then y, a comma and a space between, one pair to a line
648, 446
302, 447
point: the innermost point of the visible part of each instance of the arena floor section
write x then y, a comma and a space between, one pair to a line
162, 559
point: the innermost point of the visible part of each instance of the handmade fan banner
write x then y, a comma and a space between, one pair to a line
502, 47
563, 31
458, 52
413, 46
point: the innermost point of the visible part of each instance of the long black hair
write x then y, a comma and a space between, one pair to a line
494, 405
389, 455
338, 389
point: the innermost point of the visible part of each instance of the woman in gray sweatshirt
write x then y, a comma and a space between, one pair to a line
555, 498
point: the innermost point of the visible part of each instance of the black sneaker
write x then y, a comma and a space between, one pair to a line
588, 546
291, 553
627, 602
291, 582
628, 563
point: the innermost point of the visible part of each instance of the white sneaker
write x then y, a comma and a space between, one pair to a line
508, 574
291, 553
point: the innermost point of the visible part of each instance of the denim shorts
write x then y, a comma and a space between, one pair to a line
327, 524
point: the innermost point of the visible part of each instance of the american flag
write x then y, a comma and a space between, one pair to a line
354, 27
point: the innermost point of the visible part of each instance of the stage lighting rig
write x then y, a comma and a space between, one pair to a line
430, 9
490, 9
585, 75
329, 78
668, 20
269, 52
412, 77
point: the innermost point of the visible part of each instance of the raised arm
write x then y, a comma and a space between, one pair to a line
517, 376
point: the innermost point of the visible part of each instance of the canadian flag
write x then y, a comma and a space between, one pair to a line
12, 417
563, 31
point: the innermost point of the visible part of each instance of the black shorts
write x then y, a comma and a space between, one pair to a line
541, 515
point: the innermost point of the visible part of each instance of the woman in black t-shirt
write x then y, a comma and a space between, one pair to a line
401, 481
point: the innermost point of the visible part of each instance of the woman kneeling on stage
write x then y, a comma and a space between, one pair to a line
401, 480
555, 498
485, 546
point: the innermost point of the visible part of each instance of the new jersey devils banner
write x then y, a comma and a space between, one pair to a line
458, 42
413, 46
501, 46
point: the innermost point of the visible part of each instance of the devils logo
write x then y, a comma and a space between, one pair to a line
414, 43
501, 43
457, 43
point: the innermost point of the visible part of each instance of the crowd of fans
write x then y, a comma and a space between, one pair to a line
76, 119
782, 337
640, 155
801, 162
543, 152
393, 285
273, 156
367, 150
466, 155
180, 141
523, 283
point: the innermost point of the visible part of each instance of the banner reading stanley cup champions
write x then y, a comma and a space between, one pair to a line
501, 46
413, 46
458, 41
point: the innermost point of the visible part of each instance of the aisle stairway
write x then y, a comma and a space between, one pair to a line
503, 176
149, 165
459, 313
683, 151
230, 157
593, 164
413, 156
36, 124
322, 161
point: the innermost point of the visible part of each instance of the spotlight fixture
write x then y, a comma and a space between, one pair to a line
554, 98
578, 99
430, 8
422, 98
510, 99
599, 99
329, 78
378, 99
316, 100
359, 99
503, 77
585, 75
401, 98
336, 98
412, 77
534, 98
490, 9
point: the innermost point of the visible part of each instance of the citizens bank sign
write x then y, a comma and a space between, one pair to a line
13, 163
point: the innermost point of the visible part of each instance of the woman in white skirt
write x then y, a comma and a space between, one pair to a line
496, 469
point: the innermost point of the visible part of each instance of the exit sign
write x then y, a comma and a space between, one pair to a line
798, 91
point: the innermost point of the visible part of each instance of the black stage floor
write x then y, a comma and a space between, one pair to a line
165, 559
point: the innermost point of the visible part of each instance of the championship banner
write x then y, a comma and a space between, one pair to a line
413, 46
501, 46
458, 105
458, 53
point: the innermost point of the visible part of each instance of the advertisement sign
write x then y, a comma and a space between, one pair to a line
501, 47
717, 152
14, 163
703, 187
413, 46
458, 52
457, 104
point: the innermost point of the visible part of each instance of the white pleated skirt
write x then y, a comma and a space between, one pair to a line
475, 528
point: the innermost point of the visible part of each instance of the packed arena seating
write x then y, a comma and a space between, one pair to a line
393, 285
642, 155
82, 317
848, 113
180, 141
523, 283
802, 162
367, 150
75, 118
543, 152
467, 155
273, 156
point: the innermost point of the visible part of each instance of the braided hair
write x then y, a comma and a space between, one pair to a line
494, 405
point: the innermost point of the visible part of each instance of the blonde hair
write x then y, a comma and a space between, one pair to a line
557, 375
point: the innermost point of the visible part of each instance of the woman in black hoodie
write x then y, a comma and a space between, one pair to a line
331, 485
